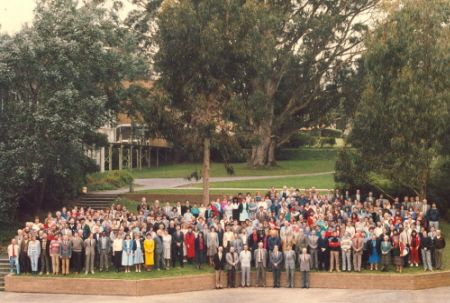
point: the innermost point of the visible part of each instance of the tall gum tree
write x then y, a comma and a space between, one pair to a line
307, 42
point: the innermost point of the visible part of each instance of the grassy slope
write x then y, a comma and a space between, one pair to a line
300, 161
319, 181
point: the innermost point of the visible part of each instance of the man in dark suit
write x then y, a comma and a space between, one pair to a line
177, 240
324, 253
219, 266
276, 257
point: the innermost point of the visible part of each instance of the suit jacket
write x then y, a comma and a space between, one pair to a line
219, 263
65, 249
107, 246
89, 247
302, 242
229, 259
178, 238
313, 241
289, 259
236, 229
358, 244
304, 261
287, 240
159, 246
237, 244
19, 241
261, 216
264, 257
424, 208
276, 258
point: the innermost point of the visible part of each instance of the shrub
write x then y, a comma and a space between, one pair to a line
327, 141
331, 133
297, 140
108, 180
313, 141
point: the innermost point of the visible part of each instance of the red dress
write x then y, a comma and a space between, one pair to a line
189, 240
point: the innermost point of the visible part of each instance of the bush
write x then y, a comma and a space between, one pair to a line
297, 140
108, 180
313, 141
327, 141
331, 133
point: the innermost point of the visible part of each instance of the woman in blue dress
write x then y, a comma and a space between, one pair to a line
138, 253
127, 253
252, 207
374, 249
243, 210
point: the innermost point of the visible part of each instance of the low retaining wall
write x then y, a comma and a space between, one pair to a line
115, 287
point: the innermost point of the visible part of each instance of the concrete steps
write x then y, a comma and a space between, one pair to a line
96, 201
4, 270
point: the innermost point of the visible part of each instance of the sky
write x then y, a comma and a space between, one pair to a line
14, 13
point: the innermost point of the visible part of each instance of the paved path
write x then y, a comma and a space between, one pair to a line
269, 295
168, 183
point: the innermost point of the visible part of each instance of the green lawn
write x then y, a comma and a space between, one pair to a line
188, 270
318, 181
293, 161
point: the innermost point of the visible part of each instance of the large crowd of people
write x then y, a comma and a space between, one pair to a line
284, 230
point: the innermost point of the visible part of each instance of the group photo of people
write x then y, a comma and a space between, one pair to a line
285, 230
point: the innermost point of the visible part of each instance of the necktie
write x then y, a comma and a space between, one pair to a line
91, 242
276, 255
232, 257
13, 253
260, 255
304, 258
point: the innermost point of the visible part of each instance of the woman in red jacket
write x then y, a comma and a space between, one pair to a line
414, 245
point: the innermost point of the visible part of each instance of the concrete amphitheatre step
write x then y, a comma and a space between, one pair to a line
4, 271
95, 200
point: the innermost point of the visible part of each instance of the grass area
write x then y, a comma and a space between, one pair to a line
318, 181
187, 270
293, 161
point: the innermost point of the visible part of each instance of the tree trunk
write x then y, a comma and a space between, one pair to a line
206, 169
263, 154
40, 198
426, 173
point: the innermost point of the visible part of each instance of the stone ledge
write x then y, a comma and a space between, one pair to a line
116, 287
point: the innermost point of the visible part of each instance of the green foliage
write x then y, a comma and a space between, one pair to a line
332, 133
313, 141
60, 80
401, 123
302, 71
109, 180
327, 141
297, 140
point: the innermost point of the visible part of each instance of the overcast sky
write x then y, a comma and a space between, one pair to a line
14, 13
